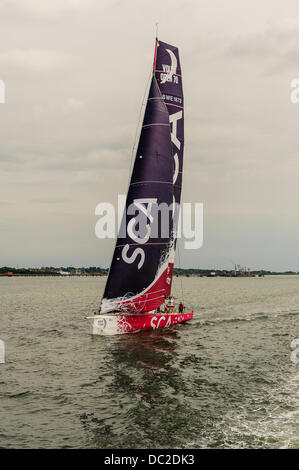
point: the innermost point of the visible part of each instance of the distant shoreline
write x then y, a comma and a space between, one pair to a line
69, 271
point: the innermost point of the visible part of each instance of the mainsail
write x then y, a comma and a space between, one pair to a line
141, 270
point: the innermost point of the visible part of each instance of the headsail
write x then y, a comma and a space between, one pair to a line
141, 270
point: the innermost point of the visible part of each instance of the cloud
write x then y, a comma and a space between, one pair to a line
274, 49
35, 60
50, 201
45, 9
72, 105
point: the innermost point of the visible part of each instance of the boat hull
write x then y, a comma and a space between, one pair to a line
117, 324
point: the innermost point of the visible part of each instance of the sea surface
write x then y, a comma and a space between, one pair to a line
224, 380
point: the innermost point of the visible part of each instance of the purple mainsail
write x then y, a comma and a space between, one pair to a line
140, 275
167, 70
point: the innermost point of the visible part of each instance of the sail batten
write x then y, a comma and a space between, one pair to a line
156, 124
141, 270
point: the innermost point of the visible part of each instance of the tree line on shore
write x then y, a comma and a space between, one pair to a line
98, 271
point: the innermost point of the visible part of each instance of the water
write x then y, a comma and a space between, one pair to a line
223, 380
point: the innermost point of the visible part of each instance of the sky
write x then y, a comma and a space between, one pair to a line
75, 73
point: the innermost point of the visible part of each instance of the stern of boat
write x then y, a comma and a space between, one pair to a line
103, 324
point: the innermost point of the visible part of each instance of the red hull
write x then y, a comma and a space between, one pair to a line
129, 323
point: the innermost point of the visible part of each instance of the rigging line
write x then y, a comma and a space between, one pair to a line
143, 104
139, 127
181, 280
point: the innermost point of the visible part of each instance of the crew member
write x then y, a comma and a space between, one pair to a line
170, 304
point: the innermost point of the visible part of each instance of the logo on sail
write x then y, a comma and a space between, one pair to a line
134, 234
169, 71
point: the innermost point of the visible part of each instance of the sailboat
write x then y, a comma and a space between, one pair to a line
140, 276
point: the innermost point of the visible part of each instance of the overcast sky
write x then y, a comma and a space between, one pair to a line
75, 74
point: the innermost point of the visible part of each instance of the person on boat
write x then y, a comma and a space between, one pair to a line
181, 307
170, 304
